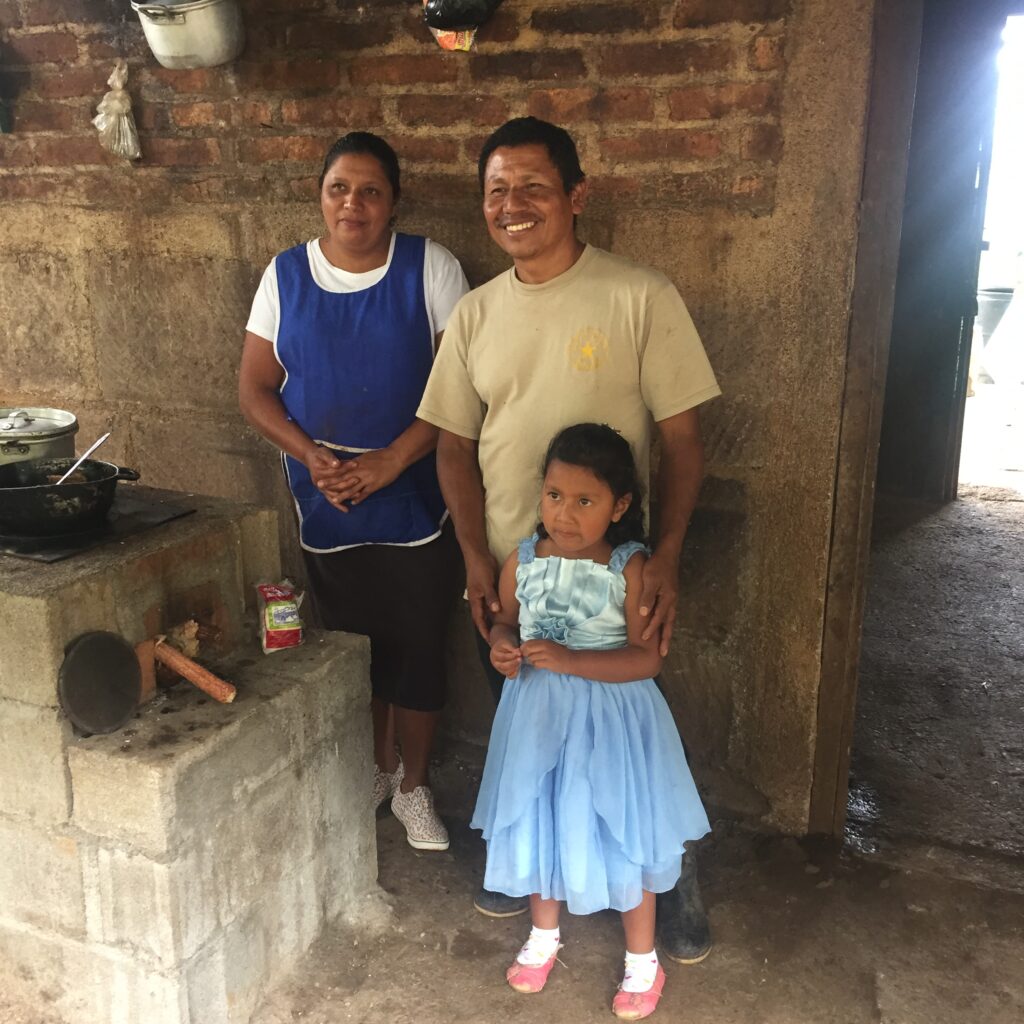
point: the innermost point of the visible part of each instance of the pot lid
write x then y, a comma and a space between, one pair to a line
26, 422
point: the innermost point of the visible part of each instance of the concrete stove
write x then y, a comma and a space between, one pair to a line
170, 871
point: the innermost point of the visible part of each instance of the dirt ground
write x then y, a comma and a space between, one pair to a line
938, 751
804, 934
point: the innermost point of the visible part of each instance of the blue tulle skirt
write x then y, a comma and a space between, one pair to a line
586, 796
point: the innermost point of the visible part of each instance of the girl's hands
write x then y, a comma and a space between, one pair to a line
547, 654
505, 657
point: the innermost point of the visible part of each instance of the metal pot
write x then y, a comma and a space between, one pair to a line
192, 33
31, 505
30, 433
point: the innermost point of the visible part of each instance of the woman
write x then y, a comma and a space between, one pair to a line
338, 348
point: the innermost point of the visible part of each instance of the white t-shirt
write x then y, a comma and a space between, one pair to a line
444, 284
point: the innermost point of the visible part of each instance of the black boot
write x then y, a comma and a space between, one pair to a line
683, 931
497, 904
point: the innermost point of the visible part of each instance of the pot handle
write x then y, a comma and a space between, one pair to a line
160, 14
127, 474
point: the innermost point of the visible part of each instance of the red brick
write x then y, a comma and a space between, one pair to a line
767, 53
10, 14
338, 112
68, 151
444, 110
656, 145
177, 152
749, 185
306, 187
302, 73
588, 104
500, 27
72, 82
528, 65
15, 151
706, 102
46, 117
321, 34
404, 69
425, 149
251, 113
701, 13
472, 144
283, 149
54, 12
42, 48
152, 117
761, 142
593, 19
287, 6
201, 115
109, 45
676, 58
202, 81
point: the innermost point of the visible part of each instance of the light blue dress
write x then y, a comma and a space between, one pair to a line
586, 796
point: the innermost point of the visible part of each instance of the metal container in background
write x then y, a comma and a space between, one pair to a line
30, 433
192, 33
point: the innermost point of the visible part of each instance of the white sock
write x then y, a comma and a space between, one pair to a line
641, 970
539, 947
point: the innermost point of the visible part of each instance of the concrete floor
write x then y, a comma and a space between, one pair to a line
804, 934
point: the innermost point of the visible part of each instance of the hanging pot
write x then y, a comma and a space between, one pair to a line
192, 33
32, 505
30, 433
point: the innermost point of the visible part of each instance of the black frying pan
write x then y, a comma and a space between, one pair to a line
31, 505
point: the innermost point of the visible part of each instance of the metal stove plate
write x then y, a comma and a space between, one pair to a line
128, 515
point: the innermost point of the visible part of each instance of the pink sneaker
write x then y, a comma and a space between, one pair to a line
530, 979
637, 1005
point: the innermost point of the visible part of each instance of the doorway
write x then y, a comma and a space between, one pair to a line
937, 761
934, 72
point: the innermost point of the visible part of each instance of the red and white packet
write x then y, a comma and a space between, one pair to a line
280, 624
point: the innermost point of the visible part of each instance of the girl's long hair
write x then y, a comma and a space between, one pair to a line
606, 453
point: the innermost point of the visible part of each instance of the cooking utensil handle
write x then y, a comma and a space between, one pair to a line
82, 458
198, 676
127, 474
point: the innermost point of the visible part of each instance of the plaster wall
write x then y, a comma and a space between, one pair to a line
124, 291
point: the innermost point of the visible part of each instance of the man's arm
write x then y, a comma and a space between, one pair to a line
680, 473
458, 469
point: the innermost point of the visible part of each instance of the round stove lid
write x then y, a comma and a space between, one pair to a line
28, 421
99, 682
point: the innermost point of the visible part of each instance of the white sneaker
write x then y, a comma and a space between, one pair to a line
385, 784
423, 828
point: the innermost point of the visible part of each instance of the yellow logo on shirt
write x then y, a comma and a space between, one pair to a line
588, 347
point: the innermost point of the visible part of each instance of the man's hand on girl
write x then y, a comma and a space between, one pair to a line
658, 600
547, 654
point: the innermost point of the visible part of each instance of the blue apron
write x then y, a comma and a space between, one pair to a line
356, 364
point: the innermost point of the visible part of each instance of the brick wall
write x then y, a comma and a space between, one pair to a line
678, 97
724, 140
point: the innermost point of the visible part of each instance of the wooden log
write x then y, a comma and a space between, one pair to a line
198, 676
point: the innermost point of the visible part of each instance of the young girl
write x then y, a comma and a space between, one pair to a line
586, 797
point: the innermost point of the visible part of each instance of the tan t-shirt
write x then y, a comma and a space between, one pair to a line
608, 341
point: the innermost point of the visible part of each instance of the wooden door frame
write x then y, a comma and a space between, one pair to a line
896, 49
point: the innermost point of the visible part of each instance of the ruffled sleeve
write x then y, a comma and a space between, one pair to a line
623, 553
528, 550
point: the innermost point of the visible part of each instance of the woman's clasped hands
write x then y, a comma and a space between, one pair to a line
345, 482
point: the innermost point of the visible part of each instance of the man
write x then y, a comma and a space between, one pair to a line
570, 334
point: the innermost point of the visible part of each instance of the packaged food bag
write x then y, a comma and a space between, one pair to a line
280, 625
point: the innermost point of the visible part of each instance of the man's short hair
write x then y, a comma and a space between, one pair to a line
532, 131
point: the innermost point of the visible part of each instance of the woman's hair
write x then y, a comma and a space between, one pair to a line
373, 145
606, 453
531, 131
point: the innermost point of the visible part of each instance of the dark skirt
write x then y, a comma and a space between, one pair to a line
401, 598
